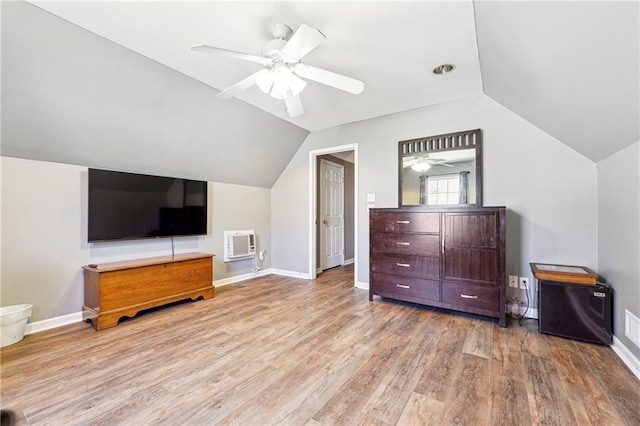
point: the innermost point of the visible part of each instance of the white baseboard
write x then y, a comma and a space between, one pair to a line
261, 273
626, 356
243, 277
293, 274
48, 324
362, 285
348, 261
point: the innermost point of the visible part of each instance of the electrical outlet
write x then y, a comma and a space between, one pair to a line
513, 281
524, 283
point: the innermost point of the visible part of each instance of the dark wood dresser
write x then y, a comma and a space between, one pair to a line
453, 258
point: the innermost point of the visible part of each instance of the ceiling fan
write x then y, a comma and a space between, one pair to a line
423, 163
283, 74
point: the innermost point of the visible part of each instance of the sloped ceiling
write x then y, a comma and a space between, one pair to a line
569, 68
391, 46
73, 97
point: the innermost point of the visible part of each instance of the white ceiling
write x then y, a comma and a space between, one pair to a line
570, 68
390, 46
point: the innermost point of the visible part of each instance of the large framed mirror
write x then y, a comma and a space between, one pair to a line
441, 171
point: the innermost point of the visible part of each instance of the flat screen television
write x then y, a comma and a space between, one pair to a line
126, 206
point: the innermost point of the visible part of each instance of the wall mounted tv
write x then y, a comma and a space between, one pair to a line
126, 206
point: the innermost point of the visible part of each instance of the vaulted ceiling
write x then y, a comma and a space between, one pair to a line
570, 68
391, 47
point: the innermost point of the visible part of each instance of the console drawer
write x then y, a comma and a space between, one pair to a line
405, 222
405, 286
407, 265
419, 244
471, 296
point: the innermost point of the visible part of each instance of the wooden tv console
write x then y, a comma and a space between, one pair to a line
118, 289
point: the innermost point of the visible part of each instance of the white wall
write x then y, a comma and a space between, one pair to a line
619, 233
44, 234
549, 189
238, 207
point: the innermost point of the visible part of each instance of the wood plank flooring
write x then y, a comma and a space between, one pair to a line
277, 350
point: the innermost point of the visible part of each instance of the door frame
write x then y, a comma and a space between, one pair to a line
322, 265
313, 199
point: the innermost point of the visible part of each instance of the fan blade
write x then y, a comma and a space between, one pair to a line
435, 162
303, 41
240, 86
410, 163
329, 78
231, 54
294, 106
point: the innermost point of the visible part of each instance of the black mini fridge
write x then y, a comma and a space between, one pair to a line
577, 311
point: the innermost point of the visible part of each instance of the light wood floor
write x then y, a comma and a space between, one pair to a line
296, 352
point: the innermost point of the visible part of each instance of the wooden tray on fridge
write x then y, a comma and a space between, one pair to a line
564, 273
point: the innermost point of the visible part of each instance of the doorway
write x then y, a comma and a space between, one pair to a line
344, 240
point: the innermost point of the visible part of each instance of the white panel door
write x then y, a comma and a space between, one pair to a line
331, 214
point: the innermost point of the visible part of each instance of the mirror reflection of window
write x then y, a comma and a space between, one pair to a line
443, 189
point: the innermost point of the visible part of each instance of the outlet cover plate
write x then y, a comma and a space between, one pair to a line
513, 281
524, 283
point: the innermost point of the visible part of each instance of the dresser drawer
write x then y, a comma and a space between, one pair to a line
405, 222
398, 286
420, 244
408, 265
471, 296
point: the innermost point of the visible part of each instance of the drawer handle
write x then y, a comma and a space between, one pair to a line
403, 222
403, 286
404, 265
400, 243
467, 296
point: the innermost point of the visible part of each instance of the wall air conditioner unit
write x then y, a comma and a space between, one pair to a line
239, 245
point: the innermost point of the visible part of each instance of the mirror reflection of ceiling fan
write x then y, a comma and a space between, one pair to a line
421, 164
284, 74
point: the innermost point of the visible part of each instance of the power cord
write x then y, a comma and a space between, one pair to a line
257, 264
526, 291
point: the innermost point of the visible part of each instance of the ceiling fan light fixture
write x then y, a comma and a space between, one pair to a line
295, 83
264, 81
280, 82
444, 69
280, 89
421, 166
